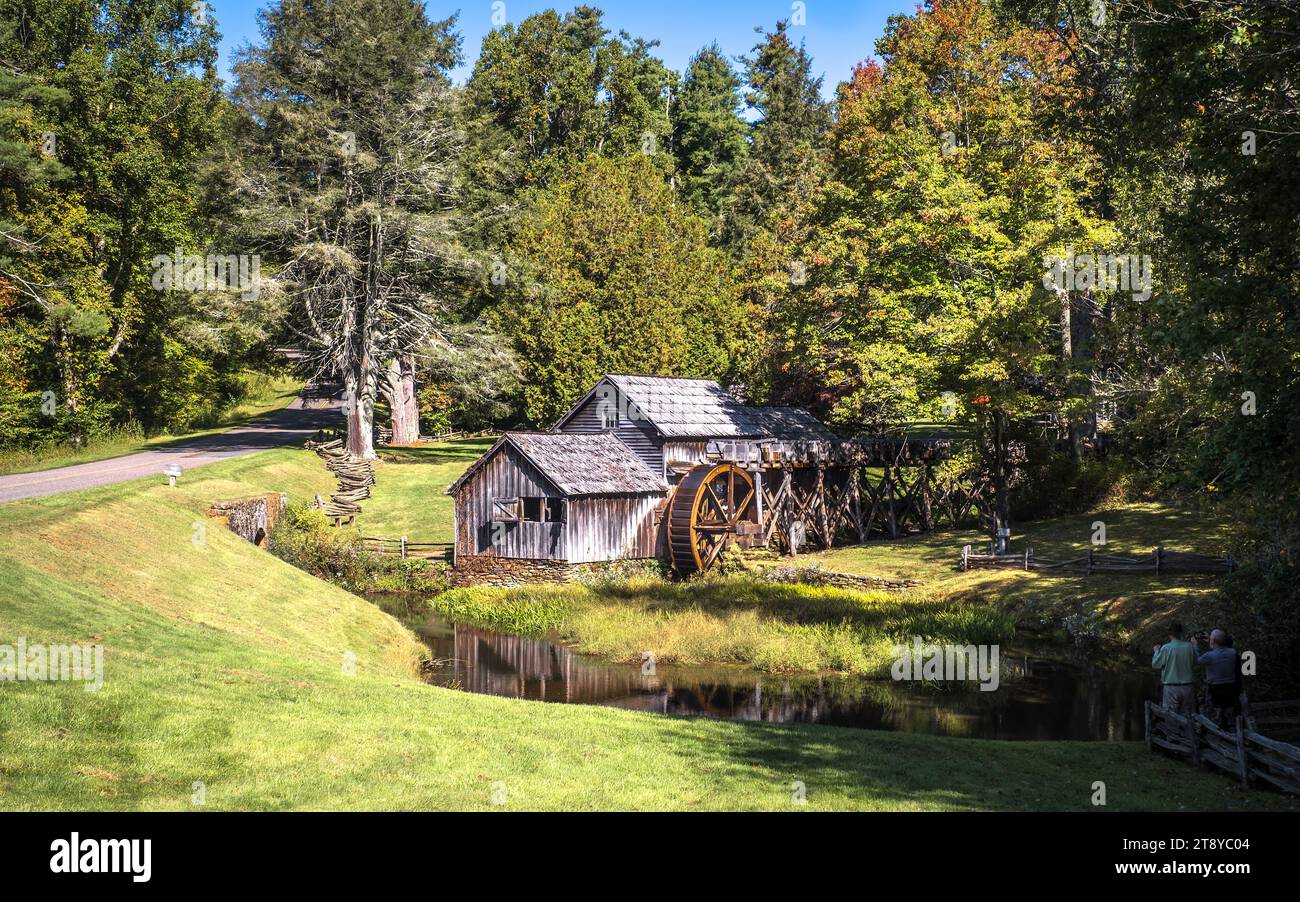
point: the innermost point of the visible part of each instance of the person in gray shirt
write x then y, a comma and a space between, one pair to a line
1220, 664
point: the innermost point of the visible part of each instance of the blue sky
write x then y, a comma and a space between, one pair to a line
838, 33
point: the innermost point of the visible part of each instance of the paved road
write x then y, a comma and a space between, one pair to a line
293, 425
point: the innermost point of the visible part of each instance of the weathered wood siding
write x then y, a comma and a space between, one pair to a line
613, 527
506, 475
640, 436
679, 452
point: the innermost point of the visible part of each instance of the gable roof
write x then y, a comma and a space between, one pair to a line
589, 464
700, 408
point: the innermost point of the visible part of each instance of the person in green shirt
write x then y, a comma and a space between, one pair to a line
1175, 660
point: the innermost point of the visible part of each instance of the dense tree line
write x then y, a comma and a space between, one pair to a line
1053, 224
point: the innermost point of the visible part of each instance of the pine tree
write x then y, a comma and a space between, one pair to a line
350, 152
783, 164
709, 134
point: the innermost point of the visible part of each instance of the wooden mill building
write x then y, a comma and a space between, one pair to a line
676, 469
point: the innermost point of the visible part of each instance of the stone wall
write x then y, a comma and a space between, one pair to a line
251, 518
492, 570
817, 576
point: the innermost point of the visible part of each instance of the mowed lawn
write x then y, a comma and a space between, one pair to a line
227, 668
410, 498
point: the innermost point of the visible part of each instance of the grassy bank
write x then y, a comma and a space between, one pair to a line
772, 627
225, 666
1128, 609
411, 496
261, 394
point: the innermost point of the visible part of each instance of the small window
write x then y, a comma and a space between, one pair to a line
609, 417
555, 508
530, 509
505, 510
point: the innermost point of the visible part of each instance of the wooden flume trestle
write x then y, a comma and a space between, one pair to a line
819, 493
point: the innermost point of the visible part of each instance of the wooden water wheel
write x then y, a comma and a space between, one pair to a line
702, 518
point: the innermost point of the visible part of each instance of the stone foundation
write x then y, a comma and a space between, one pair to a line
506, 572
490, 570
251, 518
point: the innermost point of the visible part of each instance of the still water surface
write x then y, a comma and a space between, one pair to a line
1061, 696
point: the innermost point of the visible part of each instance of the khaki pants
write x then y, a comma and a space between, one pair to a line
1180, 699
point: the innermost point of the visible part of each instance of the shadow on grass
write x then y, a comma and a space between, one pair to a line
463, 451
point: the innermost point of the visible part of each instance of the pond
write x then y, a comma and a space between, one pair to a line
1047, 692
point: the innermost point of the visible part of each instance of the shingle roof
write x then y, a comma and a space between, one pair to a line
595, 464
701, 408
795, 423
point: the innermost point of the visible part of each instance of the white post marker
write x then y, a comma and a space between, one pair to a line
172, 472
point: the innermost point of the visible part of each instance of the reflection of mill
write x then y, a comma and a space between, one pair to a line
529, 668
517, 667
1040, 699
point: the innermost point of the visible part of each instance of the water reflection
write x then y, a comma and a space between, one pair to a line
1041, 699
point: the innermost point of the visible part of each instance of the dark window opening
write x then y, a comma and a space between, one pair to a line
555, 510
531, 509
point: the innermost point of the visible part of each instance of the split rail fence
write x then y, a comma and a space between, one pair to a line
1160, 561
1245, 753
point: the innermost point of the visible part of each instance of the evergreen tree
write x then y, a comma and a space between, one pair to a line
350, 156
783, 164
709, 134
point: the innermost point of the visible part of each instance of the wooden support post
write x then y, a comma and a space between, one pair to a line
823, 514
856, 475
787, 504
889, 495
1243, 765
1146, 710
927, 513
403, 547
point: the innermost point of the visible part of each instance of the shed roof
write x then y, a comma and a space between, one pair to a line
594, 464
700, 408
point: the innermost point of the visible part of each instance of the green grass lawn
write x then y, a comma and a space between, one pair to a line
263, 394
410, 498
225, 666
1132, 609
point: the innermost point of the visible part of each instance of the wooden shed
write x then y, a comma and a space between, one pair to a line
572, 499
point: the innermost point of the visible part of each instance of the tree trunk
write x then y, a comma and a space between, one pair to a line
401, 399
359, 395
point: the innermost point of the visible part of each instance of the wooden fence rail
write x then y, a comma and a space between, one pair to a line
1243, 752
1160, 561
403, 548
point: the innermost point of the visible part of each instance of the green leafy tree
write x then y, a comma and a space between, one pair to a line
121, 101
619, 279
952, 180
